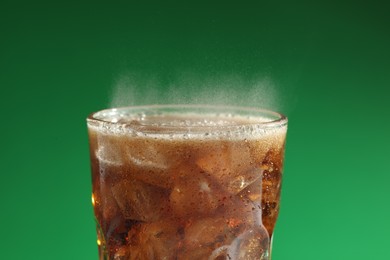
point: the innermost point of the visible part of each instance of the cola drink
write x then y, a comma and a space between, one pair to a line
186, 182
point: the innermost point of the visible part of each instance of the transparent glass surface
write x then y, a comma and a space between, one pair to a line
186, 181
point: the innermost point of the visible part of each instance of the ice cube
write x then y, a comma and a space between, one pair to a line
194, 194
207, 232
220, 253
149, 163
231, 166
203, 236
245, 210
111, 225
109, 151
157, 240
147, 156
265, 211
218, 236
252, 244
141, 201
253, 191
240, 181
104, 204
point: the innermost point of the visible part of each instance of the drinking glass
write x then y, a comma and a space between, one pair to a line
186, 181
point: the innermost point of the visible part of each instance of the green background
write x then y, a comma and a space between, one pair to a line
329, 62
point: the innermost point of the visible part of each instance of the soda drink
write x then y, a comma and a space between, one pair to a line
186, 182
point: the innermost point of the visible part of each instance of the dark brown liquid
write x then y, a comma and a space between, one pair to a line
176, 198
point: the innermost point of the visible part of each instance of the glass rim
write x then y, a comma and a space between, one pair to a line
274, 119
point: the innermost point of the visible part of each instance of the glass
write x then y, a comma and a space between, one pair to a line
186, 181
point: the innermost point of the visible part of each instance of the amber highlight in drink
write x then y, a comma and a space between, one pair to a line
186, 182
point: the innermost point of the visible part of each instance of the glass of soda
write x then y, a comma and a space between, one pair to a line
186, 181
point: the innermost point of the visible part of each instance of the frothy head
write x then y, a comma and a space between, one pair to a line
188, 121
